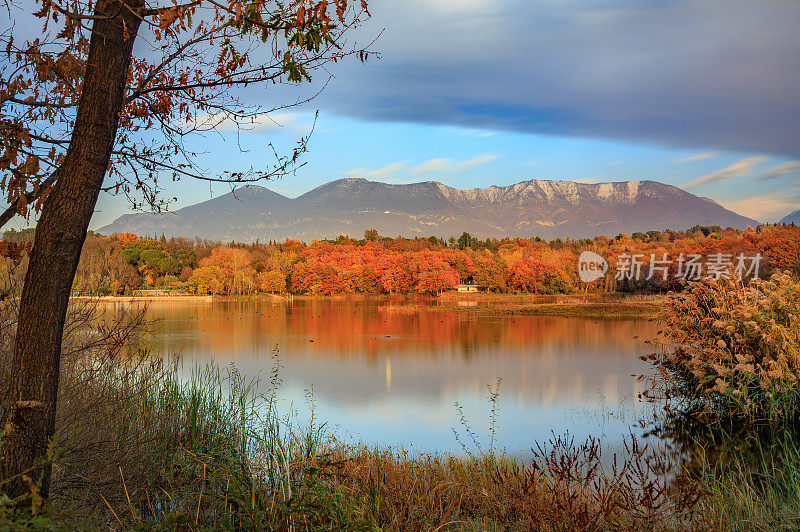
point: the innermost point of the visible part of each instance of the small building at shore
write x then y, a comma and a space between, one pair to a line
466, 288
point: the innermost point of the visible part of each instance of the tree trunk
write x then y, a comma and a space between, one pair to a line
29, 419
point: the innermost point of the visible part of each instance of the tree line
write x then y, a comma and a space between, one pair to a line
121, 263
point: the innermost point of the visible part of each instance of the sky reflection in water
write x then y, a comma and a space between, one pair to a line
388, 373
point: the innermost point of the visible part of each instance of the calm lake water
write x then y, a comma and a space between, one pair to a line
388, 372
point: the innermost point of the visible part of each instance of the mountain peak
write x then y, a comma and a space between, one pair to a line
537, 207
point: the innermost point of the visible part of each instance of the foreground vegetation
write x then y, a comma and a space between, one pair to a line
208, 453
145, 443
163, 450
733, 350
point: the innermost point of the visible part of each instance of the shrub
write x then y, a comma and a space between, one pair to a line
734, 349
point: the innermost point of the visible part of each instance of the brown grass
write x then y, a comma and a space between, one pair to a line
563, 486
734, 349
619, 309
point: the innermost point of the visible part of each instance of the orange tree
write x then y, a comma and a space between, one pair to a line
83, 110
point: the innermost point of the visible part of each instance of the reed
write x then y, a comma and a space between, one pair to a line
733, 350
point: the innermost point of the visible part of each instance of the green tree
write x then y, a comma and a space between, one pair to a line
467, 241
491, 275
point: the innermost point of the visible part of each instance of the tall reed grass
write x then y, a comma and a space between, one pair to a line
729, 368
759, 490
733, 350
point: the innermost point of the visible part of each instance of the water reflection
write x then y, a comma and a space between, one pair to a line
389, 372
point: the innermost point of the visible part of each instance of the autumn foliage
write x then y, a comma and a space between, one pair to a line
124, 262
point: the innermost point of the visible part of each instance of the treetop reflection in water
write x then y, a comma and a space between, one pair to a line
390, 373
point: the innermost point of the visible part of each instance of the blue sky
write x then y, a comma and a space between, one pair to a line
699, 94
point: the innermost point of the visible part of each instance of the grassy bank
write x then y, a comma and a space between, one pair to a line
204, 451
588, 306
128, 299
207, 451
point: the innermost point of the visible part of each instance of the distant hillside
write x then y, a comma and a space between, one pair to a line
792, 217
549, 209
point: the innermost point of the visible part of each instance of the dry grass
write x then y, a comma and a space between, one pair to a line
563, 486
734, 349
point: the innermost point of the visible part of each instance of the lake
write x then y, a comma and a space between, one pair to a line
391, 372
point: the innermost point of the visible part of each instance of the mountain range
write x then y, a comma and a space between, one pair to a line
549, 209
792, 218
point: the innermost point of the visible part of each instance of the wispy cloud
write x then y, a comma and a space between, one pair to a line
699, 157
477, 161
448, 166
385, 172
479, 133
740, 168
781, 170
431, 165
766, 208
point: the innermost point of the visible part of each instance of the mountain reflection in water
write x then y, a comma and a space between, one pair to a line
390, 372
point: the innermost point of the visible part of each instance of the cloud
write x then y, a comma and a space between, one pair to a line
699, 157
385, 172
440, 166
476, 161
680, 73
431, 166
767, 208
476, 133
448, 166
781, 170
740, 168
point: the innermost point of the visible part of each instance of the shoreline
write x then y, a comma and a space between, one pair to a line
608, 306
129, 299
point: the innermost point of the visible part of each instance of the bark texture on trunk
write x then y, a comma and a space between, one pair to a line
29, 419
